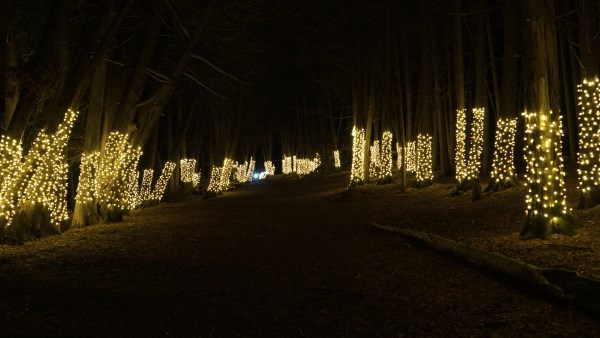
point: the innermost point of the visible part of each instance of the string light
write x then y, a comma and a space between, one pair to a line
294, 164
546, 197
589, 139
269, 168
399, 153
196, 178
411, 156
146, 188
187, 168
424, 172
385, 159
241, 172
250, 172
225, 174
161, 183
374, 162
476, 144
461, 147
286, 165
87, 177
336, 159
357, 173
46, 182
504, 145
214, 184
117, 175
11, 167
306, 166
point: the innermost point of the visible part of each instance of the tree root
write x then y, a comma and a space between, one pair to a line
564, 284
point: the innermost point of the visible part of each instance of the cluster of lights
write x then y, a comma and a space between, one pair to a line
187, 167
336, 159
306, 166
385, 158
47, 172
461, 146
546, 197
294, 164
357, 173
196, 178
161, 184
504, 145
10, 169
225, 174
250, 171
87, 177
589, 136
132, 177
374, 160
214, 184
399, 153
269, 168
424, 172
117, 175
286, 165
146, 188
468, 156
240, 172
411, 156
476, 146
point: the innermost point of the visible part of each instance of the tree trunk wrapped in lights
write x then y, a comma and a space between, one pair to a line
589, 143
146, 187
225, 174
374, 162
385, 159
424, 172
411, 156
468, 155
214, 185
547, 210
41, 206
115, 177
10, 172
336, 159
86, 209
357, 174
161, 183
503, 166
187, 167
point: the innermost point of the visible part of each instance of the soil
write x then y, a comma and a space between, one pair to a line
290, 257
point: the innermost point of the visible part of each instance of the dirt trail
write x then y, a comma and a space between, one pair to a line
280, 258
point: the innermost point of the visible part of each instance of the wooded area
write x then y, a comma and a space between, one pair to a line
114, 105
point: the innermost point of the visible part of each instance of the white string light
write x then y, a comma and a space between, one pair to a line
336, 159
504, 145
424, 158
589, 136
161, 183
358, 153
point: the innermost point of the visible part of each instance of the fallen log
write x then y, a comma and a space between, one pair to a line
564, 284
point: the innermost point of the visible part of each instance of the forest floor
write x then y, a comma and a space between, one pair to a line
289, 257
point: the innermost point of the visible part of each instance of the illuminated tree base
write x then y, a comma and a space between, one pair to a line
537, 226
589, 198
423, 184
385, 180
86, 213
466, 185
496, 186
32, 221
111, 214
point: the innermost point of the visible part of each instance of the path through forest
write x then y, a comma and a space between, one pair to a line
286, 257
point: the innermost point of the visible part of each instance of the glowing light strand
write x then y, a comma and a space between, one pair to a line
357, 173
546, 197
161, 183
424, 172
588, 119
503, 166
336, 159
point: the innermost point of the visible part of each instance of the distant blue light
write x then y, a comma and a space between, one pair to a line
255, 176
